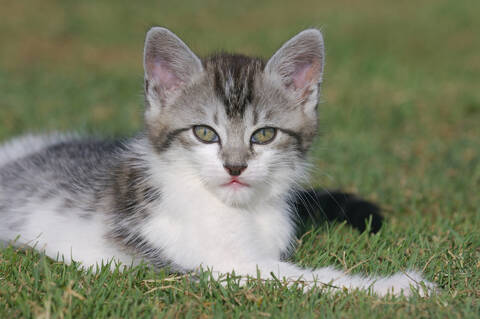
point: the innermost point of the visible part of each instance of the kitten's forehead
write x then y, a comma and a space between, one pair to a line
233, 78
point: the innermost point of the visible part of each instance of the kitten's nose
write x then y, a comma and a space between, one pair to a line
235, 170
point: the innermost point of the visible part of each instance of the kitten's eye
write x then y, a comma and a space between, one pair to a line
264, 135
205, 134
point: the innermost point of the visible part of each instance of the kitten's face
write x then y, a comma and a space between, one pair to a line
235, 125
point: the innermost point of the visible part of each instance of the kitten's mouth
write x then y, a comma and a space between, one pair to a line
235, 183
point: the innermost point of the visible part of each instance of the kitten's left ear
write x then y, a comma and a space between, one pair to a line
298, 64
169, 66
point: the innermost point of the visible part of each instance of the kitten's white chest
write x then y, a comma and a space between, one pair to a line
196, 229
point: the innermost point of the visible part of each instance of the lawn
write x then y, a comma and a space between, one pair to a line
400, 125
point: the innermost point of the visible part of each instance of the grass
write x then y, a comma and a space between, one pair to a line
400, 125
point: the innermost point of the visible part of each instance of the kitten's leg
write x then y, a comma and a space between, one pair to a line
313, 206
330, 278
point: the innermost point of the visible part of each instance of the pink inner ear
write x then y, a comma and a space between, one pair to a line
304, 75
163, 76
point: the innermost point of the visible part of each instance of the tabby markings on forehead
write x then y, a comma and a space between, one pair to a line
234, 77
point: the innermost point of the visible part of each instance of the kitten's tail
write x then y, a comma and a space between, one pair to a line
315, 206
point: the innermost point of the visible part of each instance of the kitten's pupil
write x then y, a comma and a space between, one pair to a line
263, 132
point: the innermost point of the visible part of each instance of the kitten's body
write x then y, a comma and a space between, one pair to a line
167, 197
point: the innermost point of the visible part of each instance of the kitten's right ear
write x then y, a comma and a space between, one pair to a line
298, 64
169, 65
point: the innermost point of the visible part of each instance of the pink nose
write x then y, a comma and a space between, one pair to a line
235, 170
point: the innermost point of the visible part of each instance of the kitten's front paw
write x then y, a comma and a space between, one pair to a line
404, 283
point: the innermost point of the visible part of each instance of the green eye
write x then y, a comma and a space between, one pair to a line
205, 134
264, 135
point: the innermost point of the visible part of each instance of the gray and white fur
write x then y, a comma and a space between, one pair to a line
171, 199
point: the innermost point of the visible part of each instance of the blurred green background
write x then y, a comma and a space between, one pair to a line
400, 113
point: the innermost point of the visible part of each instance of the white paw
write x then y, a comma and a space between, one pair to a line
404, 283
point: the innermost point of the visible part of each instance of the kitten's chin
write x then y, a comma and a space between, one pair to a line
237, 195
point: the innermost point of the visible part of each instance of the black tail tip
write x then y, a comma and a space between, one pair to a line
361, 212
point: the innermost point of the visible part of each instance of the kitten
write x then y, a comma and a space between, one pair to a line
209, 183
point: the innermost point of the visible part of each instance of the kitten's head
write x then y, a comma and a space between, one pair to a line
237, 124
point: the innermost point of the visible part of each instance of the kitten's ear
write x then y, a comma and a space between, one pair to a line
299, 65
169, 65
